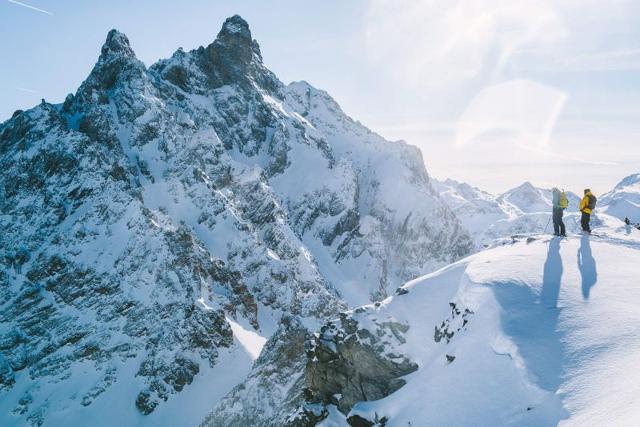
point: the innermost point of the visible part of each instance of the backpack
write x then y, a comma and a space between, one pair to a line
564, 202
592, 202
560, 199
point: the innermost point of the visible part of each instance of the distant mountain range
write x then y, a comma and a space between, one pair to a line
527, 209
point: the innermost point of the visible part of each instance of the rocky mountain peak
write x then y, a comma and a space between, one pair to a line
233, 52
234, 42
235, 26
117, 43
233, 58
117, 65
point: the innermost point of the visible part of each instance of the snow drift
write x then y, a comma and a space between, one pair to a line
536, 332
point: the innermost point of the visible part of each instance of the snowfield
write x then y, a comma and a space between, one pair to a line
541, 331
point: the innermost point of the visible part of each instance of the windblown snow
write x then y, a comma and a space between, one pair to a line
541, 331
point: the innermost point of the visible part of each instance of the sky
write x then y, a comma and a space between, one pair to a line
494, 92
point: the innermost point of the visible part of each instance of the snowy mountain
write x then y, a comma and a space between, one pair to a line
163, 222
477, 209
623, 201
521, 210
528, 199
537, 332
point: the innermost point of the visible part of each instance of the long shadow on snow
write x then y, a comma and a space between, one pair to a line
551, 276
531, 322
587, 266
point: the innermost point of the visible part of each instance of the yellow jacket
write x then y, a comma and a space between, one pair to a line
584, 203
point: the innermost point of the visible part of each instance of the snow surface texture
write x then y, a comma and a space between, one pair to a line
159, 224
540, 331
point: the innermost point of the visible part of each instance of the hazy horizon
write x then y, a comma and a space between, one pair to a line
494, 93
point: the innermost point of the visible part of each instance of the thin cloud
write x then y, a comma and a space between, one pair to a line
445, 44
28, 6
527, 108
549, 153
24, 89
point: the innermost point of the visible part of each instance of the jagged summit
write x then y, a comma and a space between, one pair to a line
233, 54
116, 65
116, 43
235, 26
233, 58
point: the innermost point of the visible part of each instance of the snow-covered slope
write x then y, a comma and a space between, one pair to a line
477, 209
538, 332
521, 210
529, 199
623, 201
159, 224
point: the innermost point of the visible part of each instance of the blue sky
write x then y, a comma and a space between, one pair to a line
494, 92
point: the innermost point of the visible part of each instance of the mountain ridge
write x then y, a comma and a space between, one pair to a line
161, 217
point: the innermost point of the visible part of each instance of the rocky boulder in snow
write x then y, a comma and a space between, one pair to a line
348, 363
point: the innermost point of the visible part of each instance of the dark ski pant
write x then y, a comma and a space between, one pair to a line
558, 224
585, 222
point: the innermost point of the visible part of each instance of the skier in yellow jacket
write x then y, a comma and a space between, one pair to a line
587, 205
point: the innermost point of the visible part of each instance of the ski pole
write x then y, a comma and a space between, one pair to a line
545, 227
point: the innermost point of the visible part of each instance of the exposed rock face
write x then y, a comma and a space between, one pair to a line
155, 204
348, 363
299, 373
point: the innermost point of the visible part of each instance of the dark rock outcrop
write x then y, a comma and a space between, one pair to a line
348, 364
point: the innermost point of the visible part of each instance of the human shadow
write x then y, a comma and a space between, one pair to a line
587, 266
533, 328
551, 276
531, 320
